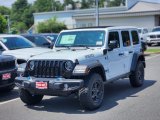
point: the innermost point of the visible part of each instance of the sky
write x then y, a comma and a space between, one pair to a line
8, 3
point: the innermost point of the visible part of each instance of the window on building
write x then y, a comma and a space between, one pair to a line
125, 38
114, 36
90, 25
83, 25
135, 38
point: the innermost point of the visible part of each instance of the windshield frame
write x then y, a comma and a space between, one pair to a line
78, 45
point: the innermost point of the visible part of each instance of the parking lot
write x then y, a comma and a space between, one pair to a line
122, 102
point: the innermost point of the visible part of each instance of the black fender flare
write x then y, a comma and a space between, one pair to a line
97, 67
135, 59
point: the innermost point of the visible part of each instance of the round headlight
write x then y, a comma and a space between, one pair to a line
31, 65
68, 65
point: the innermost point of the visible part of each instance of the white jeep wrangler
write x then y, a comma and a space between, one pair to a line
82, 61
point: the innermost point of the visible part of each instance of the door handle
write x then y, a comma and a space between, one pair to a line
121, 54
130, 52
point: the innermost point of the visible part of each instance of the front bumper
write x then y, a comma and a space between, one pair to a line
55, 86
9, 82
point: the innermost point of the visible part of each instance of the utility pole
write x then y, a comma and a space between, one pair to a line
97, 13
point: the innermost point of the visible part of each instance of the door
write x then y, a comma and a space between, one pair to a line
115, 59
127, 50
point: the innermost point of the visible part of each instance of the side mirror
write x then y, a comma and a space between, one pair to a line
112, 44
105, 51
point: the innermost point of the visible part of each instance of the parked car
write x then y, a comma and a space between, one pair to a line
82, 62
39, 40
8, 70
143, 33
154, 36
19, 47
50, 36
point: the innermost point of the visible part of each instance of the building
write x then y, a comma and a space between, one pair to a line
134, 13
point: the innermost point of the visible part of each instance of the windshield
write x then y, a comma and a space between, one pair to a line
81, 39
38, 40
156, 29
13, 43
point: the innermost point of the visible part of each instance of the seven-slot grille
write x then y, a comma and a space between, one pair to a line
7, 65
47, 69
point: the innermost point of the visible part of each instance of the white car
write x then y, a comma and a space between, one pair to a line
82, 62
19, 47
154, 36
143, 33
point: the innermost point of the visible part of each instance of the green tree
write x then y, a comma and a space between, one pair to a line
47, 5
116, 3
3, 24
22, 12
70, 2
4, 10
51, 26
87, 4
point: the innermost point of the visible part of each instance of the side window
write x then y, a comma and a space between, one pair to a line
114, 36
125, 38
135, 37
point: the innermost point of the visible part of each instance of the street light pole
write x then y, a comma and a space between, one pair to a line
97, 13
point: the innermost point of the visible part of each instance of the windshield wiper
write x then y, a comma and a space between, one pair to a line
68, 47
81, 46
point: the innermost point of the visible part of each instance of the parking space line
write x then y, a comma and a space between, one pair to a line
153, 57
9, 101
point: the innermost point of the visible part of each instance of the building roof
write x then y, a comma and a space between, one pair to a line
145, 6
140, 8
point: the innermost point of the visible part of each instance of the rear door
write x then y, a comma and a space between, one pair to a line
115, 59
127, 50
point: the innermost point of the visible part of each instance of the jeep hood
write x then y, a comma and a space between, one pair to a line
26, 53
69, 55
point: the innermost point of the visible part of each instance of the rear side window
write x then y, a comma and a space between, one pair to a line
135, 37
114, 36
125, 38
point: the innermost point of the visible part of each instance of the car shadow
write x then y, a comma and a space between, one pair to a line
120, 90
5, 96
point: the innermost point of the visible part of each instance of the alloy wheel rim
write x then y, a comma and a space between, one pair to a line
97, 92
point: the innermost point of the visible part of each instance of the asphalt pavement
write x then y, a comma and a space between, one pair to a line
122, 102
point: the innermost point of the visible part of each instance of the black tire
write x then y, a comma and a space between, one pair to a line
30, 99
91, 96
137, 77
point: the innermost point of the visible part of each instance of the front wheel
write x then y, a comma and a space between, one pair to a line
137, 77
28, 98
91, 96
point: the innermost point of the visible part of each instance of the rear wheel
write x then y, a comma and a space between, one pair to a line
91, 96
28, 98
137, 77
